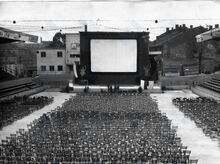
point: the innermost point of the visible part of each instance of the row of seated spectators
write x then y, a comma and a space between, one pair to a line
99, 128
205, 112
14, 109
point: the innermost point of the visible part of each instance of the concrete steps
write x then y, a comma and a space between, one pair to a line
213, 84
210, 88
19, 87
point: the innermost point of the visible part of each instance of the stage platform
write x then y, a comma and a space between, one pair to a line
151, 88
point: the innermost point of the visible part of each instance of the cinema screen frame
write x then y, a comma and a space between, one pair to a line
111, 77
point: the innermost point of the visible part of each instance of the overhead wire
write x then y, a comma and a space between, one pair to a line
88, 20
81, 27
79, 1
96, 24
42, 30
110, 20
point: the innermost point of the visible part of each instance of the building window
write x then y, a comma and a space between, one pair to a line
74, 55
77, 63
60, 68
43, 68
1, 33
43, 54
51, 67
59, 54
71, 67
73, 46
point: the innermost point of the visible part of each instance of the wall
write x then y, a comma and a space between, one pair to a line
180, 51
21, 54
179, 46
51, 59
184, 80
72, 47
211, 56
56, 80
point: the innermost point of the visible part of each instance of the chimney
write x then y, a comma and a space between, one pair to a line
191, 26
85, 28
177, 26
216, 25
167, 29
184, 25
210, 27
172, 28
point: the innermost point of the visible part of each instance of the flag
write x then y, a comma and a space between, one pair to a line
75, 70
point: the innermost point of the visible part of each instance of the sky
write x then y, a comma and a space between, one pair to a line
45, 18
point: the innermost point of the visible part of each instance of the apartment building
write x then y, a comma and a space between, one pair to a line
51, 61
59, 59
56, 64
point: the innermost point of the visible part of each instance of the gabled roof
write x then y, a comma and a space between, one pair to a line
167, 38
173, 34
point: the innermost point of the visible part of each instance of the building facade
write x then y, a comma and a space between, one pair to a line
56, 63
72, 51
51, 61
19, 59
180, 50
59, 59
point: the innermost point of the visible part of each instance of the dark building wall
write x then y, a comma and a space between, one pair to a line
179, 46
211, 56
20, 54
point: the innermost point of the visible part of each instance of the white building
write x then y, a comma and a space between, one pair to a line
51, 61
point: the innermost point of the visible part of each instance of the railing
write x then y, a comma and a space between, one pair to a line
9, 70
171, 71
190, 69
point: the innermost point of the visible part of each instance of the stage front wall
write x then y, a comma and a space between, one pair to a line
113, 57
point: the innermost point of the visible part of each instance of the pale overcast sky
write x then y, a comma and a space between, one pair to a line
119, 15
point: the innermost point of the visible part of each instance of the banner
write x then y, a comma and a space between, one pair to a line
75, 70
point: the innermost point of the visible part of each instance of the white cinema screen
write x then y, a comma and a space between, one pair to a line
113, 55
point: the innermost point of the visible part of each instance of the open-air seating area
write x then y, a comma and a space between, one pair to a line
19, 107
203, 111
99, 128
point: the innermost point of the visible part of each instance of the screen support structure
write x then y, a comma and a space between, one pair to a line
130, 47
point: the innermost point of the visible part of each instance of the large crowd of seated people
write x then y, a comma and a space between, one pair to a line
205, 112
99, 128
18, 107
